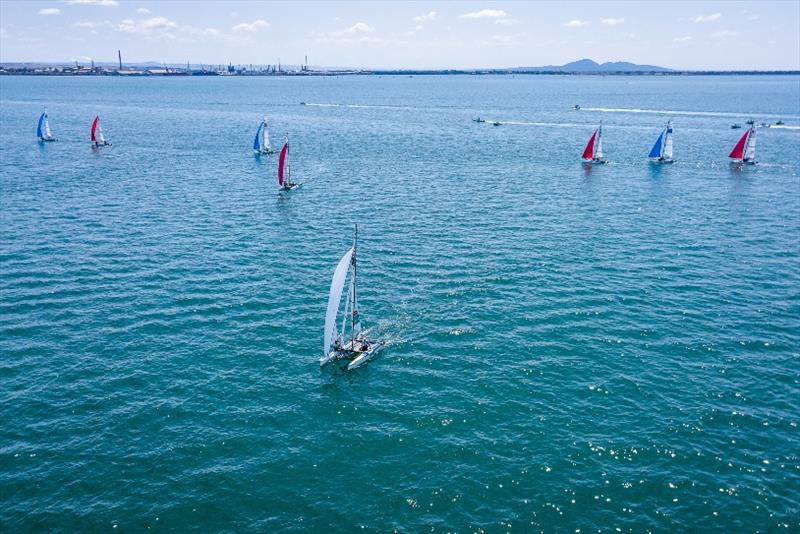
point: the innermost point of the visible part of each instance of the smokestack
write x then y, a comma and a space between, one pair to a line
306, 62
119, 55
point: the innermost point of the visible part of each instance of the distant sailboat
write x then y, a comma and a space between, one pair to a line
98, 139
593, 153
261, 142
745, 149
285, 169
43, 129
337, 344
662, 150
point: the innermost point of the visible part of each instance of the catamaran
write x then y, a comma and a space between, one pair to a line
662, 150
285, 169
261, 142
337, 344
593, 153
98, 139
43, 129
745, 149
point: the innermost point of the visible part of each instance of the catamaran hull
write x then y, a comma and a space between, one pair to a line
263, 152
594, 161
47, 139
288, 187
357, 357
661, 161
743, 162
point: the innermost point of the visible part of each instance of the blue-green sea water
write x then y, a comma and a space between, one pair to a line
569, 348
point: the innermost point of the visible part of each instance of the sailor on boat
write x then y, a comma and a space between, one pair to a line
576, 107
355, 349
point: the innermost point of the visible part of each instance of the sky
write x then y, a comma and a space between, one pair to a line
727, 35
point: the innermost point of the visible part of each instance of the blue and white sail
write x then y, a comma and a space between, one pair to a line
662, 149
43, 128
261, 141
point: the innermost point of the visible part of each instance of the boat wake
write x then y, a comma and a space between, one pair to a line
687, 113
359, 106
783, 127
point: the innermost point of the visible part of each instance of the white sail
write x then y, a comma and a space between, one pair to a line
265, 136
667, 150
750, 146
47, 133
100, 137
598, 146
334, 297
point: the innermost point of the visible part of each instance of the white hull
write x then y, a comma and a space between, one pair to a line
288, 187
594, 161
263, 152
661, 161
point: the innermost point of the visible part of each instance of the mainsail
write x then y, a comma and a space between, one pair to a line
283, 165
334, 298
598, 147
47, 133
750, 147
667, 152
97, 132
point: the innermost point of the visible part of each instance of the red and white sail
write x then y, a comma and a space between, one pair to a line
594, 148
97, 132
745, 147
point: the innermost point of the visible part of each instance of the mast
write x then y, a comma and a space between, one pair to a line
353, 316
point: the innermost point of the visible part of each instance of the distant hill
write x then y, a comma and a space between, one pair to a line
589, 66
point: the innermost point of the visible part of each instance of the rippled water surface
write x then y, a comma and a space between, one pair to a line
570, 348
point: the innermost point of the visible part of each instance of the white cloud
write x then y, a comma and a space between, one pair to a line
506, 22
707, 18
684, 39
49, 11
425, 18
143, 11
251, 26
360, 27
485, 14
91, 24
612, 22
575, 23
725, 33
106, 3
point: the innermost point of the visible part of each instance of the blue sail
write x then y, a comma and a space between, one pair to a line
656, 152
39, 127
257, 140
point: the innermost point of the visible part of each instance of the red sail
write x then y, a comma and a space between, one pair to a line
588, 152
94, 128
738, 150
282, 162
